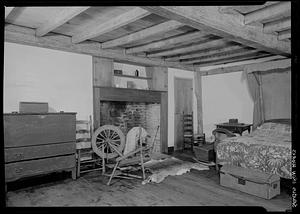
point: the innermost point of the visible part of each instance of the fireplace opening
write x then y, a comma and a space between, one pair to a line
127, 115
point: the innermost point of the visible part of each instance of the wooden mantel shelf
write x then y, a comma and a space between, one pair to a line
129, 95
133, 77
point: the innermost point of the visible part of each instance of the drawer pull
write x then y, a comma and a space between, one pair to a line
18, 170
19, 156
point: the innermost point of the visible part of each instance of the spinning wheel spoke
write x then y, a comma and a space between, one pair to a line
103, 145
115, 149
114, 135
100, 144
102, 136
108, 141
100, 140
115, 144
108, 135
99, 137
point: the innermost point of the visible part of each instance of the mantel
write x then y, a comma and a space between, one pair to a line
130, 95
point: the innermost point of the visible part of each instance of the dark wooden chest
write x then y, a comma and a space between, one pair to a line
205, 152
39, 143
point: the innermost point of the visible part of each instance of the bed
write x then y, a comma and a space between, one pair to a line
268, 148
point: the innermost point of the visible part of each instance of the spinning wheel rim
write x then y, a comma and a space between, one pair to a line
110, 139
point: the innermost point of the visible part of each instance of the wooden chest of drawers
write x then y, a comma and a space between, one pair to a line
39, 144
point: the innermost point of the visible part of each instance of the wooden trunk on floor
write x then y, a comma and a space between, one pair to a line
39, 143
250, 181
204, 152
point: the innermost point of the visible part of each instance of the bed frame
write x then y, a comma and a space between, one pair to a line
282, 121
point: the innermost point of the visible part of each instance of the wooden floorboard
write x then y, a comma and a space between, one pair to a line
196, 188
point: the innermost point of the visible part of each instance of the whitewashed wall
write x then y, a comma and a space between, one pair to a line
225, 96
62, 79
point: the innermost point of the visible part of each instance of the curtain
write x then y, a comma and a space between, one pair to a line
253, 86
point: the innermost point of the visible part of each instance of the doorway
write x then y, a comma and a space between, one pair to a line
183, 101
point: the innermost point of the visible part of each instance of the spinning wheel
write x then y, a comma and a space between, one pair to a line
108, 141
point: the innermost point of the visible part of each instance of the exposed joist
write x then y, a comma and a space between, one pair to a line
245, 8
137, 36
220, 57
8, 11
26, 36
204, 45
232, 59
205, 52
210, 19
166, 42
275, 10
263, 64
284, 35
64, 16
277, 26
97, 28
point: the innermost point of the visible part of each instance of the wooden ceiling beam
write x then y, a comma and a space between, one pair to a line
230, 27
245, 8
275, 10
64, 16
166, 42
203, 45
264, 62
26, 36
277, 26
227, 55
137, 36
232, 59
8, 10
205, 52
97, 28
284, 35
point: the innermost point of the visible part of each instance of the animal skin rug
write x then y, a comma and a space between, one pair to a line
160, 169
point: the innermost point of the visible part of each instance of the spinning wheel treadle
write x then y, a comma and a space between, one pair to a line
108, 141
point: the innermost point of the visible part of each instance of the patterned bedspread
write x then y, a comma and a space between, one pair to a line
268, 149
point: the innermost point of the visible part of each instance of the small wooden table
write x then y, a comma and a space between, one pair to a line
235, 127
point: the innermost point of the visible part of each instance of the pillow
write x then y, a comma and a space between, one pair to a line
278, 127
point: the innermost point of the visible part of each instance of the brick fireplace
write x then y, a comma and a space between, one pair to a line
127, 115
127, 108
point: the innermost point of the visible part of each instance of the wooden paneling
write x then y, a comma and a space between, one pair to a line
164, 123
14, 171
102, 72
33, 152
96, 107
198, 93
31, 129
129, 95
183, 101
159, 77
102, 76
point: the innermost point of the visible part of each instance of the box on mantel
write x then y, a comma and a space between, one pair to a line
250, 181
